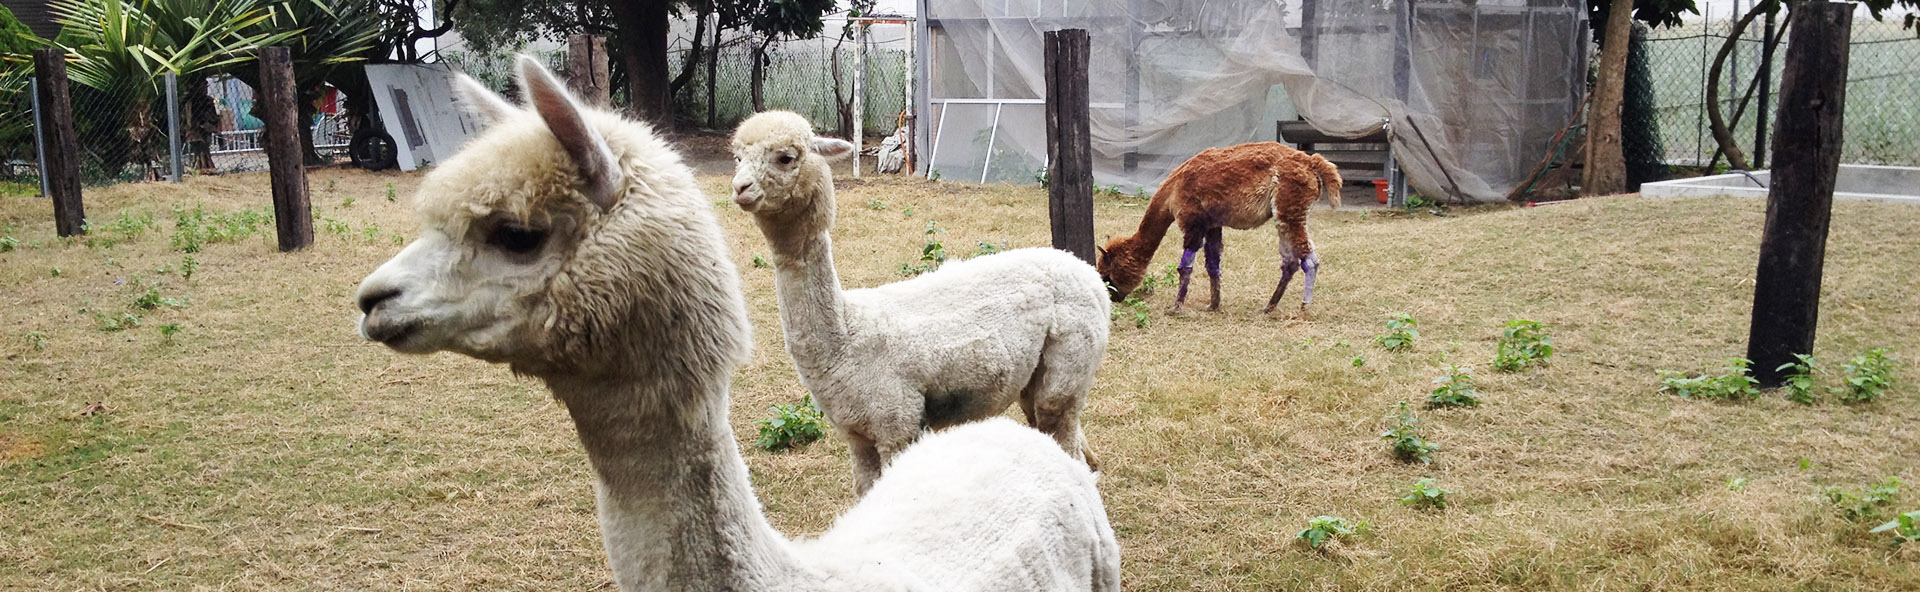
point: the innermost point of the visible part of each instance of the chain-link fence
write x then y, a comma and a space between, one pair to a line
799, 77
1883, 84
122, 132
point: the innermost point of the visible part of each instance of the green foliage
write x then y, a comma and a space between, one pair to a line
335, 227
8, 244
1737, 384
124, 228
1453, 390
37, 340
108, 322
760, 262
346, 202
1523, 344
1799, 379
1167, 278
876, 205
987, 248
391, 195
1427, 494
791, 426
931, 255
195, 228
169, 330
1358, 360
1904, 527
1404, 441
188, 265
1867, 503
1325, 529
370, 233
151, 299
1133, 308
1401, 331
1869, 375
1040, 176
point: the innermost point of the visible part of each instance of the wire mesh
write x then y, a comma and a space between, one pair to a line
799, 77
1883, 82
19, 162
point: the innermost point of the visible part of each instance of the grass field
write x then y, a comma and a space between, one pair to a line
260, 444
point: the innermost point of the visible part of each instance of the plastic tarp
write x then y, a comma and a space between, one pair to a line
1470, 94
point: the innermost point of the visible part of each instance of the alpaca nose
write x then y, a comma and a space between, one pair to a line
740, 187
372, 299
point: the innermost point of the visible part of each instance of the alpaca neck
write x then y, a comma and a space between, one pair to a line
1153, 226
812, 306
677, 510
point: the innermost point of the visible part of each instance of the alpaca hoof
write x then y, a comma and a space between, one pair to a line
1266, 311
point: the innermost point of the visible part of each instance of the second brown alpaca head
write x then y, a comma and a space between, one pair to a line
1122, 267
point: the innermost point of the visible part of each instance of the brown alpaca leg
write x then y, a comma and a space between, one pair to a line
1288, 264
1191, 243
1057, 392
866, 461
1213, 266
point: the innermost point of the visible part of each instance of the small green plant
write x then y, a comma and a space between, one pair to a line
37, 340
1325, 529
1737, 384
337, 228
1133, 308
1456, 389
791, 426
8, 244
169, 330
397, 238
1040, 176
151, 299
1737, 484
1426, 494
1905, 528
760, 262
1359, 360
1865, 504
1416, 201
907, 212
931, 255
108, 323
391, 194
1404, 441
1799, 379
1869, 375
1168, 277
877, 205
346, 202
985, 248
1523, 344
933, 175
188, 265
1401, 331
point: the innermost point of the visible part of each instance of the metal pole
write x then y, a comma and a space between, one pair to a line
173, 127
859, 91
39, 136
921, 61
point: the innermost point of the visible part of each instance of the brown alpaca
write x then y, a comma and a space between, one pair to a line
1240, 187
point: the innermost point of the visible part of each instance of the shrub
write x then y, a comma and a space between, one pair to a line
1869, 375
1905, 528
931, 255
1133, 308
1404, 441
1324, 529
1425, 493
791, 426
1865, 504
1400, 333
1736, 385
1799, 379
1524, 344
1454, 390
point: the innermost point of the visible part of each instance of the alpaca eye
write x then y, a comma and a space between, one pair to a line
517, 239
786, 159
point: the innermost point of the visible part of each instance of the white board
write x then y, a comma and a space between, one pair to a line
419, 109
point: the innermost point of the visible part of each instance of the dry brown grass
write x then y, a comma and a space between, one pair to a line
263, 445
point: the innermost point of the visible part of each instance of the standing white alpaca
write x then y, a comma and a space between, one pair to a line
575, 247
956, 345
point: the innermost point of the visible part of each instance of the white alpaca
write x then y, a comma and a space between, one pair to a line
575, 247
956, 345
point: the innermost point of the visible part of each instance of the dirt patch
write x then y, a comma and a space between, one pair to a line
15, 448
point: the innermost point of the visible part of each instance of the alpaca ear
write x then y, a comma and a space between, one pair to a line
832, 148
590, 153
479, 100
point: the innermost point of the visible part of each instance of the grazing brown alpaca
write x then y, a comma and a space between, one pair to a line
1240, 187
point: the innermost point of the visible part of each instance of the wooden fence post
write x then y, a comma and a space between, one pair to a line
1069, 147
587, 74
1806, 156
63, 152
292, 215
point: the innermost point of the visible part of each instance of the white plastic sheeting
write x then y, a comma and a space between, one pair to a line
1471, 94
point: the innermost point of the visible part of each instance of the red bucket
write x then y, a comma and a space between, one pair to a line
1380, 189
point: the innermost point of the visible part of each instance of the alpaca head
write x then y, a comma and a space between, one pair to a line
781, 173
1122, 267
531, 236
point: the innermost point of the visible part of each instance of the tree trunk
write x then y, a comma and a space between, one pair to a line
694, 54
1606, 170
842, 101
759, 77
643, 36
1736, 158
